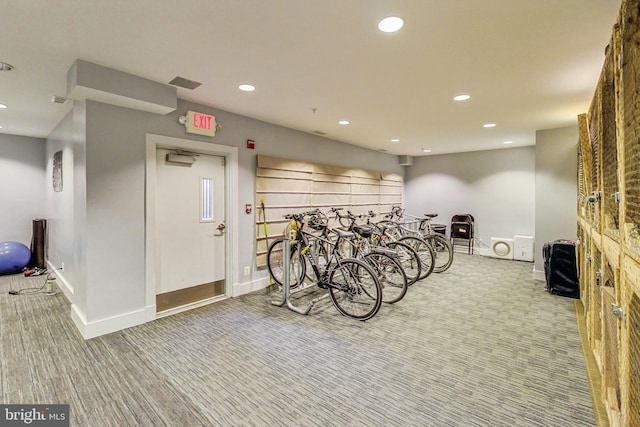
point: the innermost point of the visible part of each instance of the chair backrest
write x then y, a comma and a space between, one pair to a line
462, 226
468, 218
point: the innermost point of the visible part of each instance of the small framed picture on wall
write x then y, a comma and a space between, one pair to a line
57, 171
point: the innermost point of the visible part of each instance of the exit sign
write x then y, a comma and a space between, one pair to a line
201, 124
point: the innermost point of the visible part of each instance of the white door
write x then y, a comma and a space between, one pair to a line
190, 223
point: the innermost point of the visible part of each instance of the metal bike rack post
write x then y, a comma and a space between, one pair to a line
286, 279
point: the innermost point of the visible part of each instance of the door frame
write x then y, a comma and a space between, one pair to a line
230, 154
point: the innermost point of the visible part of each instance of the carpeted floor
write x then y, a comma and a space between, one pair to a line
479, 345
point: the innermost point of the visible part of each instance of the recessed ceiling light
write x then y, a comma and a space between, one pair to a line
247, 88
1, 126
390, 24
508, 142
426, 150
395, 140
5, 67
3, 106
344, 122
489, 125
461, 97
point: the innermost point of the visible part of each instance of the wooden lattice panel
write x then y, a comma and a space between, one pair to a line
582, 187
630, 110
584, 144
593, 214
582, 271
609, 166
633, 397
595, 137
609, 278
585, 268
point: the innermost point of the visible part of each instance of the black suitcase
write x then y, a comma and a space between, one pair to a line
560, 268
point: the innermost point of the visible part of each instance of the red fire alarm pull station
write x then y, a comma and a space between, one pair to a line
251, 144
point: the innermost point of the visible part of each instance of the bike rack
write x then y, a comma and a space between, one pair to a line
286, 285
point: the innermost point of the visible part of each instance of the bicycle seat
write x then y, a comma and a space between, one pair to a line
363, 230
342, 233
431, 215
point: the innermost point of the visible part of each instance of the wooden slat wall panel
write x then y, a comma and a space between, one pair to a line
287, 186
610, 205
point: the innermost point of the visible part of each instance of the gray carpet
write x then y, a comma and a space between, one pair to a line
479, 345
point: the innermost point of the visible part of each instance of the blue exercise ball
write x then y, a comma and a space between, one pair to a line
14, 256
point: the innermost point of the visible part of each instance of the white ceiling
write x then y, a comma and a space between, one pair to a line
528, 64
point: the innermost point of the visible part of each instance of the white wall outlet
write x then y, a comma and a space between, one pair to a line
247, 270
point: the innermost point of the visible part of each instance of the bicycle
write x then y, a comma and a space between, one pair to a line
442, 248
414, 256
352, 285
384, 261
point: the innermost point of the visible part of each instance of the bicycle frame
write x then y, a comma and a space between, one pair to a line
333, 259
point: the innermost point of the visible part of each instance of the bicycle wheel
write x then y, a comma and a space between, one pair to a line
275, 263
409, 260
425, 253
442, 250
354, 289
391, 275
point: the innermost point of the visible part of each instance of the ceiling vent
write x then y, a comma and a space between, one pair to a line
185, 83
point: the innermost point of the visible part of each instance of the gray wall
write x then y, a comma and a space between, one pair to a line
110, 228
497, 187
66, 210
556, 188
22, 186
530, 190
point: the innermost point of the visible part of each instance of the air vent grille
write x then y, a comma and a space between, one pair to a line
185, 83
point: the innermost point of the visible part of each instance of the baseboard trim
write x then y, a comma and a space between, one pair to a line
97, 328
248, 287
482, 251
61, 281
190, 306
539, 275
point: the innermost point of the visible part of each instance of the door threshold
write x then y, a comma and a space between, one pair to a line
190, 306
